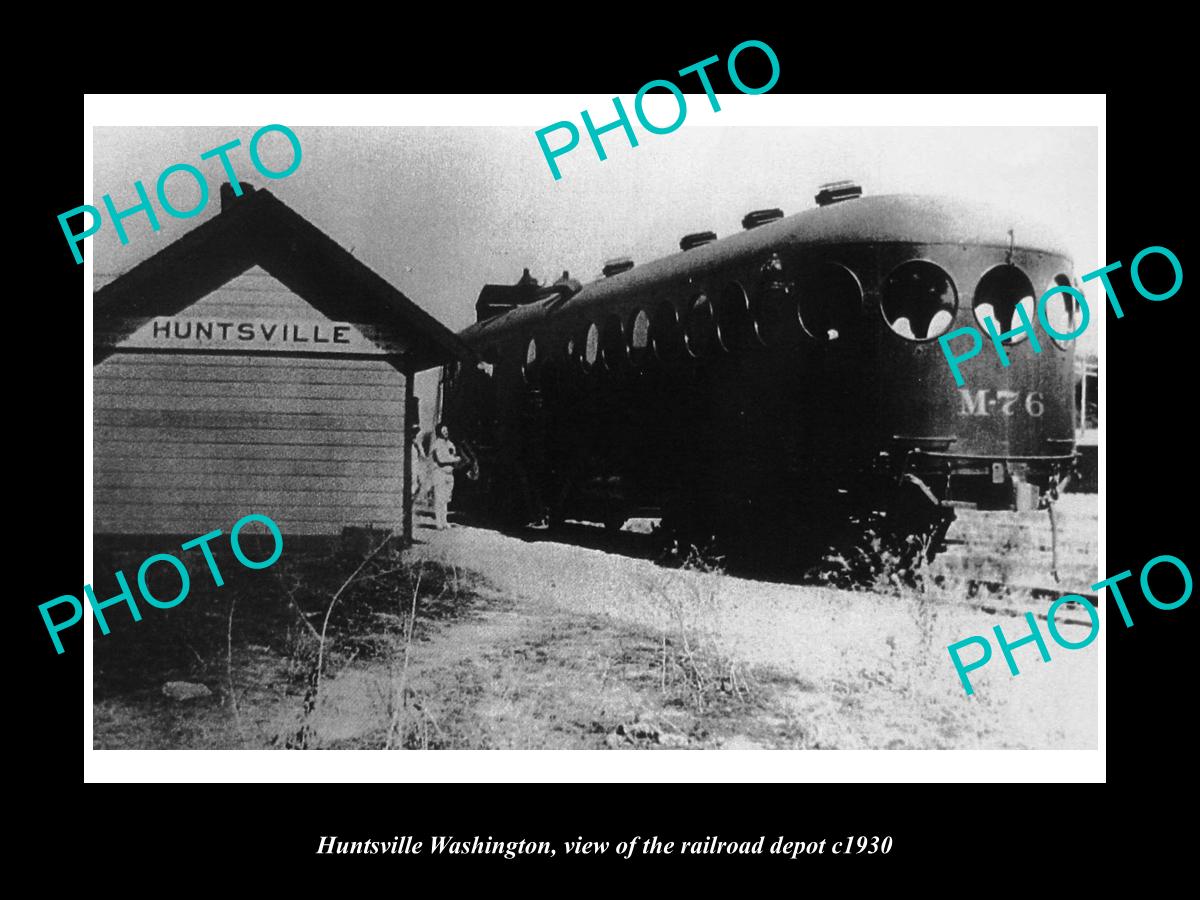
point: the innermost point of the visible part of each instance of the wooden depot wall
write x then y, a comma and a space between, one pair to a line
184, 444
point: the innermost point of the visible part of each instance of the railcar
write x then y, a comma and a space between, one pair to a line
778, 381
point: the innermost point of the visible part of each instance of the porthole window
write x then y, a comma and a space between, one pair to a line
665, 334
591, 346
1062, 312
532, 362
639, 338
734, 328
1000, 291
828, 302
774, 324
700, 331
613, 344
918, 300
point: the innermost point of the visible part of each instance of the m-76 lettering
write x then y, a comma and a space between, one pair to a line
977, 403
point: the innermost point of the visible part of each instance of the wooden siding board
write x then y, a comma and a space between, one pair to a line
185, 444
238, 437
132, 451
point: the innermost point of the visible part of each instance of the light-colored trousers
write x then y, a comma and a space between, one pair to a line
420, 476
443, 488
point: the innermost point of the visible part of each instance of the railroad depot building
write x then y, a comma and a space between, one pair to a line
256, 366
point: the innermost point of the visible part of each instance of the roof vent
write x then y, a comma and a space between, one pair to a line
761, 217
837, 191
617, 266
696, 239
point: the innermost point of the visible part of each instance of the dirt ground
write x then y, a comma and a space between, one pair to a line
537, 643
864, 670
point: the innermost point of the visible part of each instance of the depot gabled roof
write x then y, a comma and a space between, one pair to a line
258, 229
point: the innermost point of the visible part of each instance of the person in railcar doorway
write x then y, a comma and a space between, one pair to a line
445, 458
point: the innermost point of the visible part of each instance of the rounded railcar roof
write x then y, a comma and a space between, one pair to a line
889, 218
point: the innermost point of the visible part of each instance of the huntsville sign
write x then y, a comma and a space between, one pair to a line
168, 333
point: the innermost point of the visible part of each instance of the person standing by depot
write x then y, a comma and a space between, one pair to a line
420, 465
445, 457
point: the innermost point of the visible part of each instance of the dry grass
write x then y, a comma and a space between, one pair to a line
695, 662
420, 655
856, 669
569, 648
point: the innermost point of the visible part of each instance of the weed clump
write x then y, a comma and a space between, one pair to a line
876, 562
380, 607
696, 666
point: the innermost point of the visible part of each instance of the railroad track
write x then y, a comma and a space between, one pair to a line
1004, 558
1035, 593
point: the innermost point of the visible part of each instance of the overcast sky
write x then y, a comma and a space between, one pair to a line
439, 211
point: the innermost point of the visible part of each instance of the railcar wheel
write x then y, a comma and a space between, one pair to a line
685, 525
888, 544
918, 521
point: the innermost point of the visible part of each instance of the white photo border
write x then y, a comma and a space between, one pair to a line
536, 111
